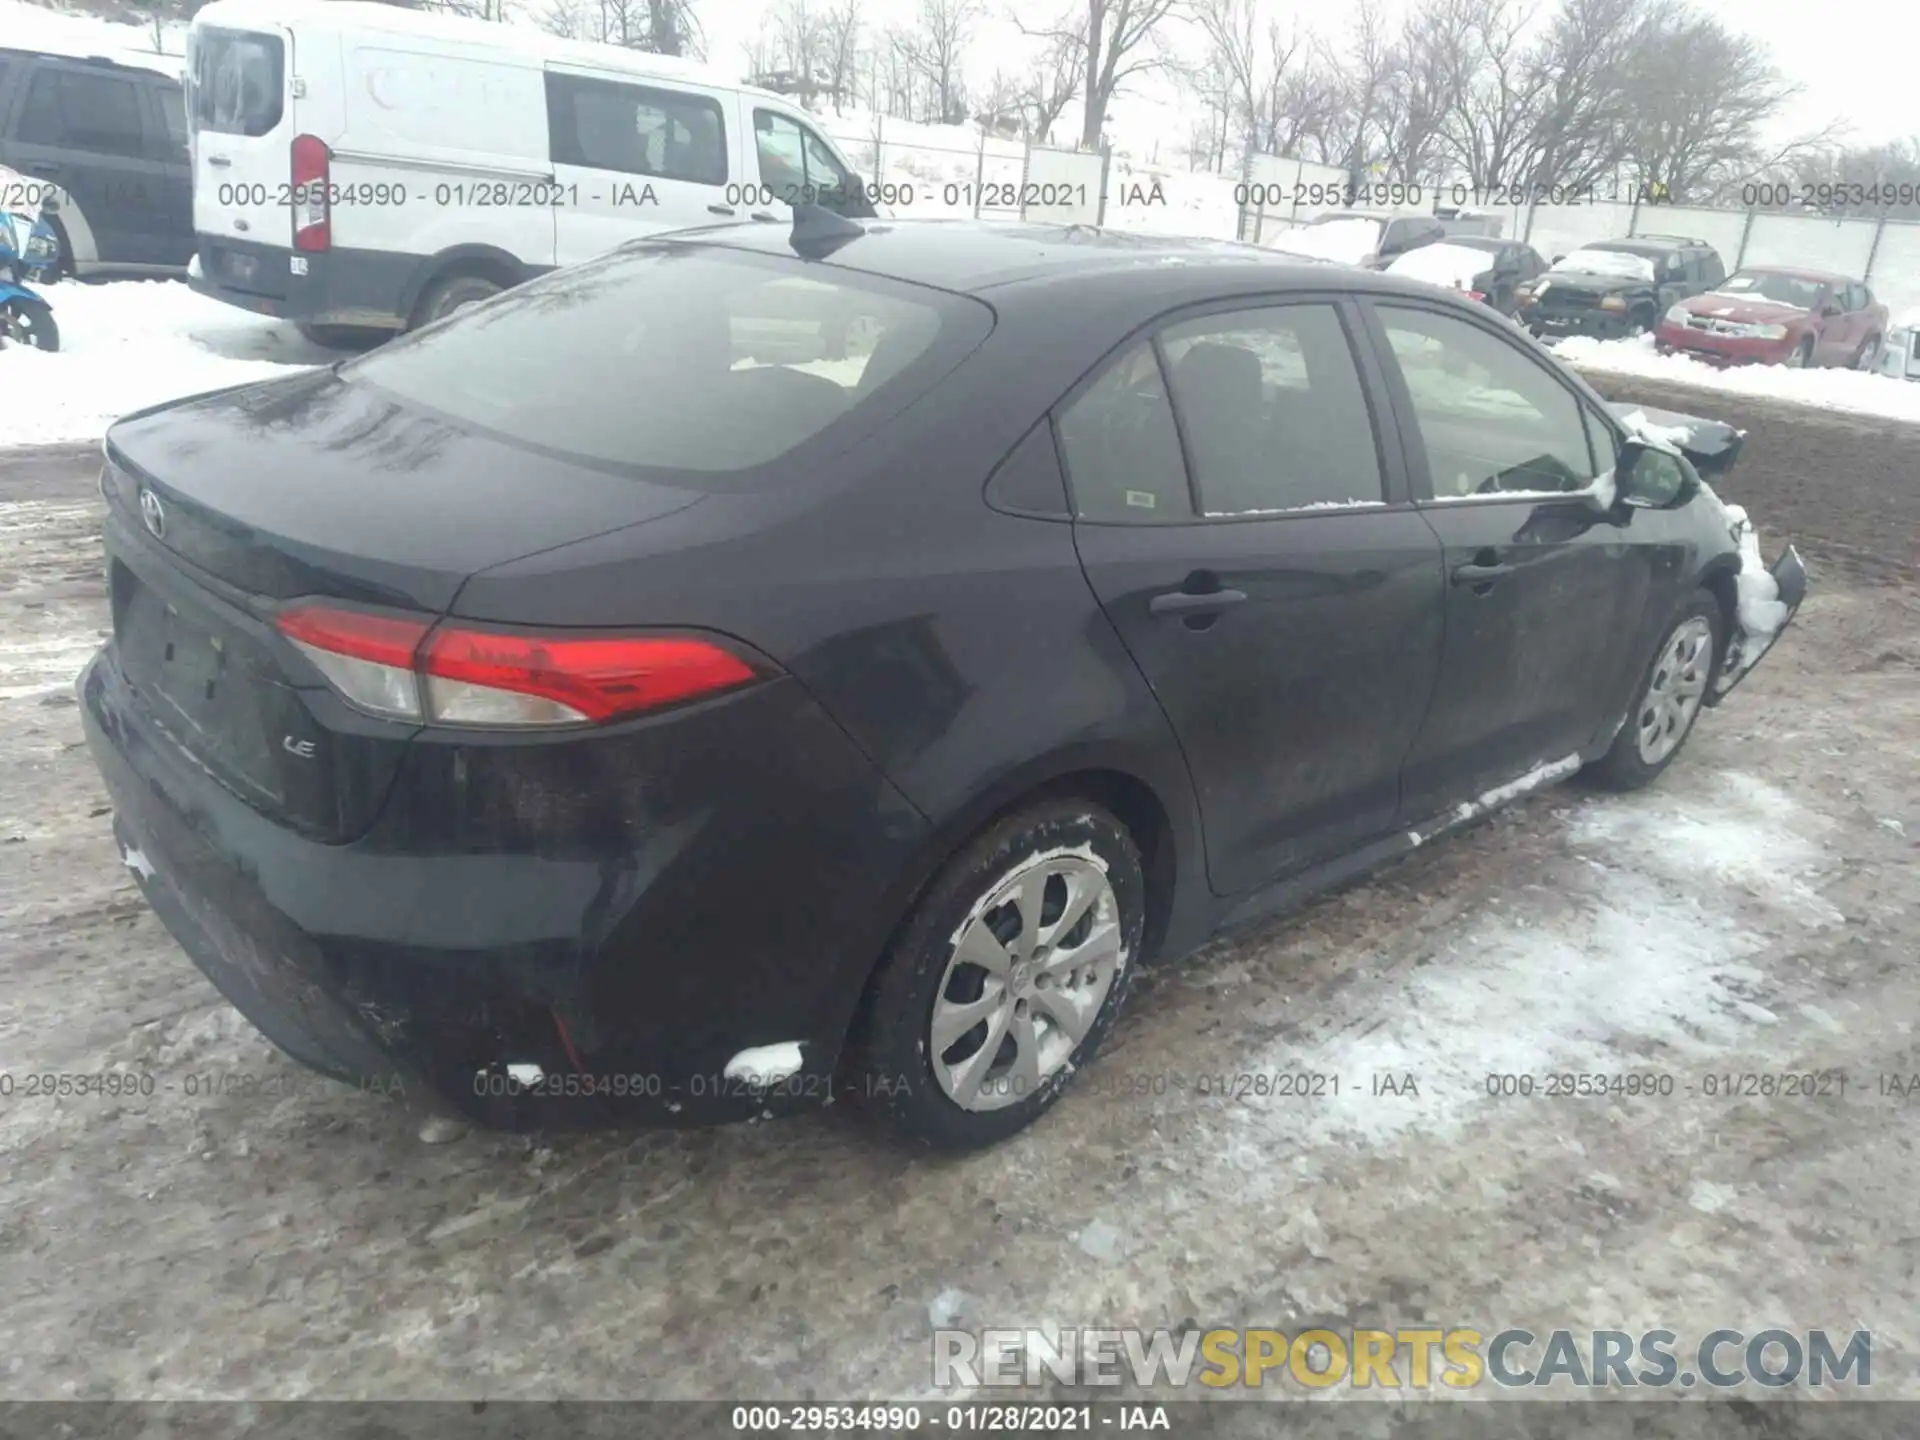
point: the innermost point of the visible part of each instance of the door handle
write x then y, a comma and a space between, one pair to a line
219, 162
762, 215
1187, 602
1481, 577
720, 210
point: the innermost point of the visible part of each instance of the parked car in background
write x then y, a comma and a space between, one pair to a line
1772, 315
113, 137
1618, 287
585, 724
1370, 238
433, 161
1899, 355
1481, 268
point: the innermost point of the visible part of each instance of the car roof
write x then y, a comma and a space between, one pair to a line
1823, 277
973, 257
168, 67
523, 40
1645, 244
1478, 242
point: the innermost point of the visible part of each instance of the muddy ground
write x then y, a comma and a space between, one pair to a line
1758, 911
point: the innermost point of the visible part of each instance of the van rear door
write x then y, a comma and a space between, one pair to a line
240, 108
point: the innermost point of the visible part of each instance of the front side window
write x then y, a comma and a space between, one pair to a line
1122, 449
799, 168
99, 114
1272, 411
236, 78
692, 360
636, 130
1492, 420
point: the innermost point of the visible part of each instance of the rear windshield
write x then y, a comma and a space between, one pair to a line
680, 358
235, 80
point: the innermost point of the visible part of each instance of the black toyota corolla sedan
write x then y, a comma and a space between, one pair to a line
764, 665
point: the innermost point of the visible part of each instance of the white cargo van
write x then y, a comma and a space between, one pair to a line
358, 165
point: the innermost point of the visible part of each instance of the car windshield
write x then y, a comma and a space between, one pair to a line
1614, 264
1795, 290
1442, 264
1349, 238
683, 358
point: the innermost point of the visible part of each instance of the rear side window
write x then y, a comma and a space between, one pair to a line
172, 102
77, 110
236, 81
636, 130
1272, 411
1122, 448
694, 360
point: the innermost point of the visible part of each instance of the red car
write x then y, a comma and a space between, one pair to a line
1777, 316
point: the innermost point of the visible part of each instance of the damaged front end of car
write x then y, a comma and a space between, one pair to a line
1766, 597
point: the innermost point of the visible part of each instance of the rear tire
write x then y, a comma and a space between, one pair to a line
985, 960
25, 322
450, 293
1667, 697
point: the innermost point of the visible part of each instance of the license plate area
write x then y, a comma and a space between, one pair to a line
206, 682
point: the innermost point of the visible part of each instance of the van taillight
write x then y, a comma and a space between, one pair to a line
312, 215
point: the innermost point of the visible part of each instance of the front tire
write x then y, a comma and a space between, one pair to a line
1005, 979
30, 323
1802, 355
1868, 355
1667, 698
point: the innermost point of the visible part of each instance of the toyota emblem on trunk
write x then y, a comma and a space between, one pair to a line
154, 513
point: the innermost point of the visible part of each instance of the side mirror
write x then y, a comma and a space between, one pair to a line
1653, 479
1556, 259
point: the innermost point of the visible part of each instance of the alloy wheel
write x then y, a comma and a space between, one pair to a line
1675, 690
1030, 970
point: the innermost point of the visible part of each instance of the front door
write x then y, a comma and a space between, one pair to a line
632, 158
1266, 572
1544, 589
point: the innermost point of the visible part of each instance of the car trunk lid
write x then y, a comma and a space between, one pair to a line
223, 508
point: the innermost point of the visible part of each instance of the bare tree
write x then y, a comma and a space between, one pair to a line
1583, 63
1362, 75
934, 48
1052, 81
1120, 39
1700, 95
840, 41
1493, 113
1251, 58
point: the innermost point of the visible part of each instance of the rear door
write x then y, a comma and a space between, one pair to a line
240, 111
83, 126
1544, 592
165, 123
1251, 541
634, 158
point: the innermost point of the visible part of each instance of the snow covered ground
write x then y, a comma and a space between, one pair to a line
132, 343
1854, 391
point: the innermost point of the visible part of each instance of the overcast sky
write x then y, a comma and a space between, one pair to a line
1852, 59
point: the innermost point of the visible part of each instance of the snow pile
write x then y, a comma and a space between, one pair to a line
55, 32
1761, 611
1854, 391
130, 344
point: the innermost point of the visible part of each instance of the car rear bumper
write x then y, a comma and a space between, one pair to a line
367, 288
625, 940
1724, 349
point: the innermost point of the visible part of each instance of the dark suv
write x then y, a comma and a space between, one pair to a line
1618, 287
113, 138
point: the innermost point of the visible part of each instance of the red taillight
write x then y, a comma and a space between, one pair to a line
455, 675
1476, 295
312, 205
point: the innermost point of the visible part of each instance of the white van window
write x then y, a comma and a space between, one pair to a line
796, 164
636, 130
237, 80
